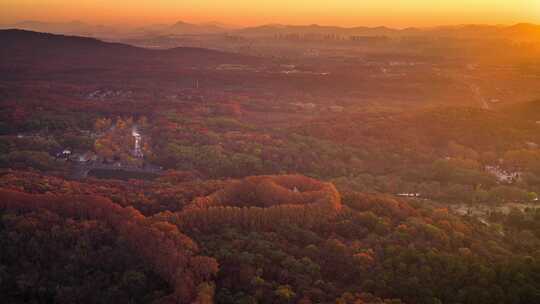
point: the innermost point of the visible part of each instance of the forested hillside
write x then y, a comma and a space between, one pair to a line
188, 175
277, 243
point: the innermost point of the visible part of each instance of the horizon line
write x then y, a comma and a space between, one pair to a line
237, 27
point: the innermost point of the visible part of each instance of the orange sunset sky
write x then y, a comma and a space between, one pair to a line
395, 13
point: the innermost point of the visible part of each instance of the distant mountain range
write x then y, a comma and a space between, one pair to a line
273, 29
84, 29
519, 31
184, 28
523, 30
68, 28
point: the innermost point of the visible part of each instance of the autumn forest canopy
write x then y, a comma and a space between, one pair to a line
272, 164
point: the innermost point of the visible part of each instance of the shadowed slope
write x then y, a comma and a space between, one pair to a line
172, 254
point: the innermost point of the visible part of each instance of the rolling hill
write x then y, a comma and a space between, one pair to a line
22, 43
33, 53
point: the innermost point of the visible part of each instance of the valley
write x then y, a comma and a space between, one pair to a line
270, 165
